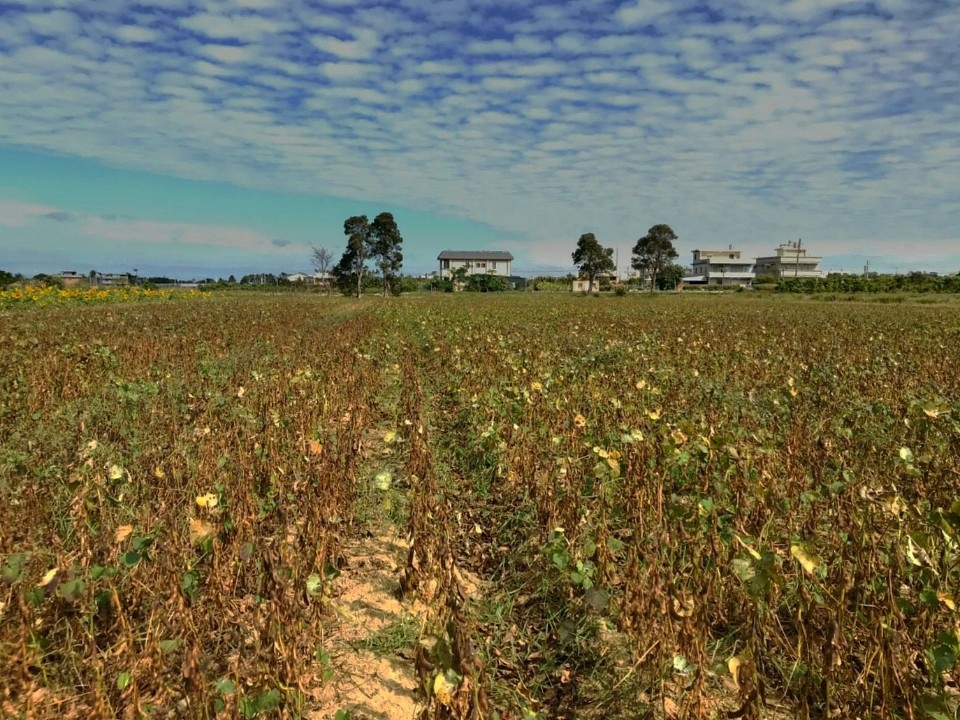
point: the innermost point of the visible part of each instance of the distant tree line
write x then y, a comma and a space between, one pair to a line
917, 282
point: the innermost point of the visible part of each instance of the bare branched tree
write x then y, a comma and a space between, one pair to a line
322, 260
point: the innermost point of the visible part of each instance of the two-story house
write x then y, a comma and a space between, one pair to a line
476, 262
720, 267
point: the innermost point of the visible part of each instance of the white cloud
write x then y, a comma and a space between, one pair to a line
637, 12
345, 70
239, 27
167, 232
228, 53
741, 109
135, 34
15, 213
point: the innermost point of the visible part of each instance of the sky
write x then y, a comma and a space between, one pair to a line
200, 138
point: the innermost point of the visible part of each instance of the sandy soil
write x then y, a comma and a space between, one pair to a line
365, 601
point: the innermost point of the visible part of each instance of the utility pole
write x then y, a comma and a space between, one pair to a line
796, 267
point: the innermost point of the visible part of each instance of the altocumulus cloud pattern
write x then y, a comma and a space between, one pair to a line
745, 121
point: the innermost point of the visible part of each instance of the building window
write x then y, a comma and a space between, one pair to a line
446, 264
493, 265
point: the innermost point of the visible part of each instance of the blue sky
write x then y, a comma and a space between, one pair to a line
217, 137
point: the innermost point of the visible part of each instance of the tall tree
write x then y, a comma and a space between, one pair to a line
670, 277
385, 242
592, 259
353, 262
654, 251
322, 258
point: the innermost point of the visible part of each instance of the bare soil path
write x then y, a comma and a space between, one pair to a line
365, 616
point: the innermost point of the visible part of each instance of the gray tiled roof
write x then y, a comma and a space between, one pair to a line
474, 255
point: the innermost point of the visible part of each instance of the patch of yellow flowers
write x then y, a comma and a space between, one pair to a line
43, 296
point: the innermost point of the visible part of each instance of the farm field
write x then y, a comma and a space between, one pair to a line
663, 506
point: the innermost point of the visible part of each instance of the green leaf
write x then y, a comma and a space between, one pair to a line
270, 700
314, 585
743, 569
589, 548
131, 559
343, 715
141, 543
944, 657
71, 591
190, 583
929, 598
123, 679
15, 568
167, 646
225, 686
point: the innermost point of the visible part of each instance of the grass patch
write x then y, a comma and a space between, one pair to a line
401, 634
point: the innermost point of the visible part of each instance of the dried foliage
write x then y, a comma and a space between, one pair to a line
677, 507
762, 498
175, 482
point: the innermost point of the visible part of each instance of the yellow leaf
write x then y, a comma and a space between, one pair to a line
389, 436
444, 689
946, 600
158, 473
315, 447
115, 472
793, 391
754, 553
536, 385
579, 420
733, 665
654, 414
123, 532
641, 384
240, 392
207, 501
48, 578
934, 411
807, 559
200, 531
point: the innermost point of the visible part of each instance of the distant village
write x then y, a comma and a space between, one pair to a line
464, 269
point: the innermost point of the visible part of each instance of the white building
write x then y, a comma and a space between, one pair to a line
306, 278
720, 267
790, 261
476, 262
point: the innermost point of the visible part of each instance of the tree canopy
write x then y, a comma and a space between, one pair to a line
353, 263
592, 258
385, 242
378, 241
670, 277
654, 252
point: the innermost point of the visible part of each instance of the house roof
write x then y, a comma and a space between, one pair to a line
474, 255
